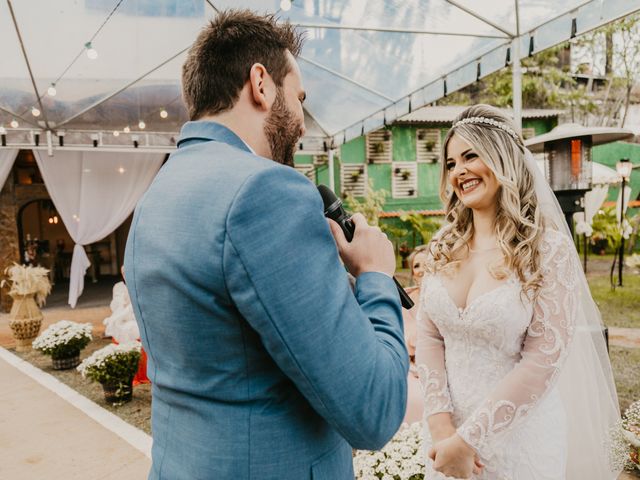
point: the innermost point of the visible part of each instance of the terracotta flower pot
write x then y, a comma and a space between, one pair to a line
25, 320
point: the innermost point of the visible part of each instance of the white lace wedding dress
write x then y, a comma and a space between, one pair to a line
494, 364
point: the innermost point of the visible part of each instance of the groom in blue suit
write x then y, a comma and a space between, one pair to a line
264, 363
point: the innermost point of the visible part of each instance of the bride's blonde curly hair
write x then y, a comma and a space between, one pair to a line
518, 224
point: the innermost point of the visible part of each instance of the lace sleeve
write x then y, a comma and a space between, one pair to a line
544, 350
431, 366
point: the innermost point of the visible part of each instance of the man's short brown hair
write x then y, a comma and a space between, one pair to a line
219, 61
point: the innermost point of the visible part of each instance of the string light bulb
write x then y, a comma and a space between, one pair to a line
92, 53
126, 129
52, 90
163, 113
116, 133
35, 112
121, 170
285, 5
14, 123
141, 125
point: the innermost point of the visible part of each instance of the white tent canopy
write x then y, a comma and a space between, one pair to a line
365, 62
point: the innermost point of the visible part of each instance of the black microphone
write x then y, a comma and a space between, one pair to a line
333, 209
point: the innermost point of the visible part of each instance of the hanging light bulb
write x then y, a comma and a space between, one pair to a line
116, 133
92, 53
51, 220
121, 170
126, 129
35, 112
52, 90
14, 123
141, 125
163, 113
55, 219
285, 5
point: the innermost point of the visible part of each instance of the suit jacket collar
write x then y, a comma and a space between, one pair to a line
205, 131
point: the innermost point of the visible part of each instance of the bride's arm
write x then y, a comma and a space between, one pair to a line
544, 350
433, 377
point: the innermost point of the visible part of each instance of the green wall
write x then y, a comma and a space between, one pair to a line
610, 154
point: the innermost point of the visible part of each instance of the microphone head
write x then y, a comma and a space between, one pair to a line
329, 199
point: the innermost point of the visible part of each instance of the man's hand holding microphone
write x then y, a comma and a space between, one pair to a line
363, 248
369, 251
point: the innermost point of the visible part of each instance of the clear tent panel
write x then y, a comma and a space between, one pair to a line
155, 100
130, 42
365, 62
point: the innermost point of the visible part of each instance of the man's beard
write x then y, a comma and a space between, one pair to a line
282, 131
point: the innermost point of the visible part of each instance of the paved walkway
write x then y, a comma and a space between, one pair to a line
45, 435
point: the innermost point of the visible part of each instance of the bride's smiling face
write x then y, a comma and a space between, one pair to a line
472, 180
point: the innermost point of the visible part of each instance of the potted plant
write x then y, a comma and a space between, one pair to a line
29, 287
63, 341
421, 135
113, 366
378, 147
405, 174
430, 145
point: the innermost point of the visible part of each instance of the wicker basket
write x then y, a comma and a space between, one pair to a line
66, 363
25, 320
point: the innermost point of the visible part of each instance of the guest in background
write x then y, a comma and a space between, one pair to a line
415, 402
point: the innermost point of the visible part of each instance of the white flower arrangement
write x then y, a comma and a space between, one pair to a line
633, 261
28, 280
583, 228
400, 459
113, 364
63, 339
625, 447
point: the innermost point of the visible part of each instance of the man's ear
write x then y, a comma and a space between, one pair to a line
261, 85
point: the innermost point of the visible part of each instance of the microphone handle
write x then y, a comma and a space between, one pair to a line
348, 228
404, 296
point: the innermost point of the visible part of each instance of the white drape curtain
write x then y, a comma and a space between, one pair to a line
593, 200
7, 157
94, 192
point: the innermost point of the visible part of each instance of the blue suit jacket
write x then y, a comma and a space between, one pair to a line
264, 363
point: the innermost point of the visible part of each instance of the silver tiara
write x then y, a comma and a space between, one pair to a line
488, 121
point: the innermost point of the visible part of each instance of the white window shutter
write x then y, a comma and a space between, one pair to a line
428, 145
379, 146
404, 180
308, 171
353, 177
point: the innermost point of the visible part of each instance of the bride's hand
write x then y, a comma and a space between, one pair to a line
455, 458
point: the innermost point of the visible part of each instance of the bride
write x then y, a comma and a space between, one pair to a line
515, 374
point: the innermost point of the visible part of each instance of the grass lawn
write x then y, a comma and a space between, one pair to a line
619, 307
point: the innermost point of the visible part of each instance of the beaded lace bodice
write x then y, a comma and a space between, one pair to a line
491, 363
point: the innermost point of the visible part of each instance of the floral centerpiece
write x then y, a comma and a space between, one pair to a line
114, 366
625, 450
29, 287
401, 458
633, 262
63, 341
